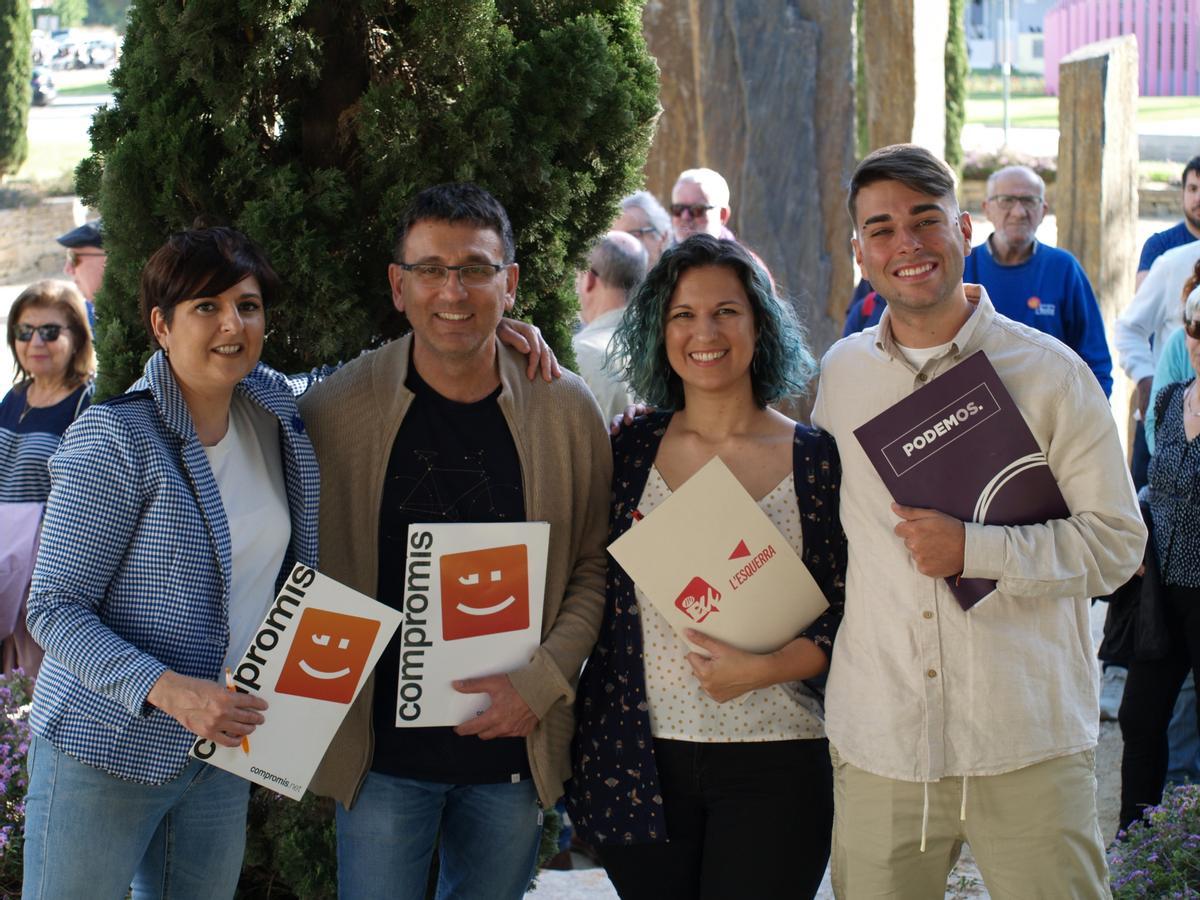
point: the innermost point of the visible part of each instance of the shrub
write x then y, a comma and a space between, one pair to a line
16, 690
1159, 856
16, 72
310, 125
956, 84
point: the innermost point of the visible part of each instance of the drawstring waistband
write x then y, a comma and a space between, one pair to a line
962, 810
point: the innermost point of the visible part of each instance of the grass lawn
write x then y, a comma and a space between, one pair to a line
99, 86
1040, 111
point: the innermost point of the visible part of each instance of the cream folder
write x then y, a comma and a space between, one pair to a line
709, 559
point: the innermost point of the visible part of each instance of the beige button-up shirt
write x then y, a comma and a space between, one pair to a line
919, 689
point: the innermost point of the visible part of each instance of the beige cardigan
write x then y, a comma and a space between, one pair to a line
566, 467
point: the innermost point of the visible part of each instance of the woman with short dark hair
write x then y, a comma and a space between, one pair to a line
682, 793
175, 510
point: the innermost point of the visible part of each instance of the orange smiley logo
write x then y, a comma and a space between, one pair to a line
485, 592
327, 656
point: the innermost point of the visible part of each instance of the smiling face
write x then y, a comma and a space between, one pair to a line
214, 342
912, 246
44, 359
710, 330
451, 321
692, 194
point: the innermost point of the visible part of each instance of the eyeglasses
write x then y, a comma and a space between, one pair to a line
74, 256
49, 333
638, 232
696, 210
473, 275
1192, 327
1008, 201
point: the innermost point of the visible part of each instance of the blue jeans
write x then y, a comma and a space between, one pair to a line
88, 834
488, 848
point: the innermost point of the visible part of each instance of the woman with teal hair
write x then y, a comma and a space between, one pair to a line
683, 793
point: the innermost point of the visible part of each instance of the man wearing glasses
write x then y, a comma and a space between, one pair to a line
444, 426
1042, 286
700, 205
86, 259
643, 217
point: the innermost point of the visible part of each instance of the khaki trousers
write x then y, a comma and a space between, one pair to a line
1034, 833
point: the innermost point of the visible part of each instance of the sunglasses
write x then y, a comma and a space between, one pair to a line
696, 210
1192, 327
74, 256
48, 333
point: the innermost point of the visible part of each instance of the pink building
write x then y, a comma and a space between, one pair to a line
1167, 31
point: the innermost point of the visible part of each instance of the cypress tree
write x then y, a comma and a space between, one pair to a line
16, 71
956, 85
309, 124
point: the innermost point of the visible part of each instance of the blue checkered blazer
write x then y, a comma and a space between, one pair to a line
133, 574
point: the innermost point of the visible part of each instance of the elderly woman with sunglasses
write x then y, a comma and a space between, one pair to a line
683, 793
1174, 501
51, 344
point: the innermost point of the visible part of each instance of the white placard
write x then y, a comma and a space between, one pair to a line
709, 559
309, 660
472, 606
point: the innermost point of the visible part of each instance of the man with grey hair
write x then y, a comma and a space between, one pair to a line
644, 217
616, 267
700, 205
1042, 286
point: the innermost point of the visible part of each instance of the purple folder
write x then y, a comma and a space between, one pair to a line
960, 445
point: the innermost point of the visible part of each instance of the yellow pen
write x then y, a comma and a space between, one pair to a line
229, 687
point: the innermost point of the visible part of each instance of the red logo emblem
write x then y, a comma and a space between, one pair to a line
327, 656
740, 550
698, 600
1033, 302
485, 592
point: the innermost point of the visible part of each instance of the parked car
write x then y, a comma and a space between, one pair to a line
44, 90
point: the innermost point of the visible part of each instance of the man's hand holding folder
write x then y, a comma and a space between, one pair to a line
935, 541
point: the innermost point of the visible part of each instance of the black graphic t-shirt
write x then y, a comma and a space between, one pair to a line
450, 462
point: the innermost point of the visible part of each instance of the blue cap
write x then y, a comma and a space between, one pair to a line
86, 235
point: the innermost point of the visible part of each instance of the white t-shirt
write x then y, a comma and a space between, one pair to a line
679, 708
248, 469
918, 356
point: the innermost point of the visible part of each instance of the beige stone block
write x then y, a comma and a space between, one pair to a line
1097, 195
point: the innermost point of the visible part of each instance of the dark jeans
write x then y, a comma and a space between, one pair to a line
1140, 461
1150, 693
743, 820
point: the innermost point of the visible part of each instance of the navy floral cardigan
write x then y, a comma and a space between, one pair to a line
614, 795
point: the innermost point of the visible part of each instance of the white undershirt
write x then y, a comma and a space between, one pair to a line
248, 468
918, 356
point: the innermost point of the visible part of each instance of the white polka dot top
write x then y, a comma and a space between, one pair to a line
679, 708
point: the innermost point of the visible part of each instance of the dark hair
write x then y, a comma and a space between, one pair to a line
201, 262
457, 201
782, 365
618, 264
911, 165
1193, 165
65, 297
